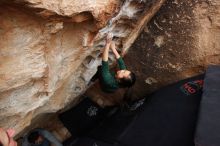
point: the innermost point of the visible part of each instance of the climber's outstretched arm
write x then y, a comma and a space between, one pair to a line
118, 57
114, 50
107, 46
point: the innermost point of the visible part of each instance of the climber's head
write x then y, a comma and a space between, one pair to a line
125, 78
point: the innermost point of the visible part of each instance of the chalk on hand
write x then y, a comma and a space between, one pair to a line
110, 35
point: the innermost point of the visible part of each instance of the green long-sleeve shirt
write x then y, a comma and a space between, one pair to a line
109, 83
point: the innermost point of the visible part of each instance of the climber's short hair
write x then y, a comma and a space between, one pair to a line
127, 81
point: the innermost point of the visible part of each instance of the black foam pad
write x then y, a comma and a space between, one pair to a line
208, 127
114, 127
86, 141
169, 118
83, 117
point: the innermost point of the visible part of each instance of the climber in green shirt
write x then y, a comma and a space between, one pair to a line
122, 78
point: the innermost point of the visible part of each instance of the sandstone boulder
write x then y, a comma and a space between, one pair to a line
49, 50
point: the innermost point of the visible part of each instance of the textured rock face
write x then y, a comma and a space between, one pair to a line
49, 50
179, 42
